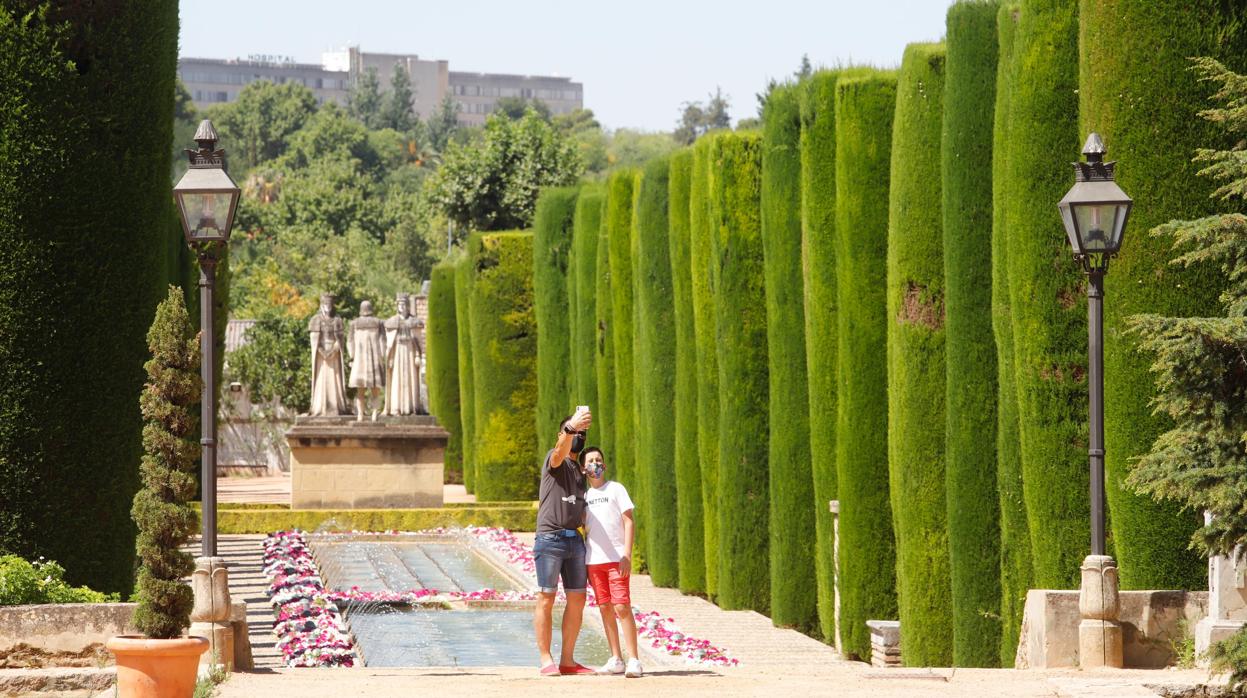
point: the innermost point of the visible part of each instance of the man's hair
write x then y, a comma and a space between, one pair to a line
566, 419
591, 449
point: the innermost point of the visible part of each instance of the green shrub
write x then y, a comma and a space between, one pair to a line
161, 508
970, 470
504, 343
864, 110
655, 368
552, 243
41, 581
586, 229
467, 388
702, 261
1015, 546
916, 336
604, 344
1152, 134
443, 369
735, 212
1046, 289
86, 122
794, 600
690, 528
618, 222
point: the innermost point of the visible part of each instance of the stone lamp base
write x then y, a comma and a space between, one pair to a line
1099, 633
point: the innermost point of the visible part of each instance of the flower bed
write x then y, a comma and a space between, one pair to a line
311, 631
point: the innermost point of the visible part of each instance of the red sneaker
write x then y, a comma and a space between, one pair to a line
550, 669
575, 669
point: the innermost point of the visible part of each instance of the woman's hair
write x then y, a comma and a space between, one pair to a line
591, 449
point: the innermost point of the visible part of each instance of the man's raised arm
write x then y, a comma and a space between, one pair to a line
579, 421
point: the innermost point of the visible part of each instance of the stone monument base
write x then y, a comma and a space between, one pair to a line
393, 463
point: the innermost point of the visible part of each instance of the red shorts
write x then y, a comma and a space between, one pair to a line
608, 585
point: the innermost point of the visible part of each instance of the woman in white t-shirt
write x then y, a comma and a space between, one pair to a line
608, 556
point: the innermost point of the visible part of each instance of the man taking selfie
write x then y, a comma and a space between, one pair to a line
559, 549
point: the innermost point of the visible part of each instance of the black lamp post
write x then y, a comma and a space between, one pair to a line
1094, 212
207, 199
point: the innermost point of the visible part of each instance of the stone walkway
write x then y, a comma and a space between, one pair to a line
773, 661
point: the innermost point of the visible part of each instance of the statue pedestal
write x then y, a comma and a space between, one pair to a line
393, 463
210, 616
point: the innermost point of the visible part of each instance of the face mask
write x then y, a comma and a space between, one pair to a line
595, 471
578, 442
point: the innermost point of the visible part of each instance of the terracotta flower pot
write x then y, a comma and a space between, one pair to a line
148, 668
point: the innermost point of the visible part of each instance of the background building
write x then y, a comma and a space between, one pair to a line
214, 81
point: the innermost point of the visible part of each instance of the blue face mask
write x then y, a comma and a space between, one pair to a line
595, 471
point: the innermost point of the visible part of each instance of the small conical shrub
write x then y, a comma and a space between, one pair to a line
161, 510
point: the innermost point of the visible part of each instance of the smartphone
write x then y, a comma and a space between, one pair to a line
582, 407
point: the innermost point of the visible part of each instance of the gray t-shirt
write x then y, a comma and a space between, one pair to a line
562, 496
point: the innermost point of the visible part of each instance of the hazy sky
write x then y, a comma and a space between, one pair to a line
639, 60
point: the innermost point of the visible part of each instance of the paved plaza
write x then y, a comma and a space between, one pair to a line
773, 661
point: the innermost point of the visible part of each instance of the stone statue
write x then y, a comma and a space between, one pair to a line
365, 340
328, 368
403, 355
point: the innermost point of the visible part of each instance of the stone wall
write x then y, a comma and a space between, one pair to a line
1152, 622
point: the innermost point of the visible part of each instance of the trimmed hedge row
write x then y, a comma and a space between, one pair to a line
916, 335
1015, 556
655, 372
735, 193
794, 600
516, 518
586, 228
818, 263
970, 397
705, 327
604, 346
443, 360
86, 119
1046, 293
1144, 52
467, 386
504, 343
690, 530
864, 111
618, 222
552, 245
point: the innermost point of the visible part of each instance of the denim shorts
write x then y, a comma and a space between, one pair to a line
557, 555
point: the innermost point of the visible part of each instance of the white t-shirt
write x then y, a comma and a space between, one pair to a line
604, 512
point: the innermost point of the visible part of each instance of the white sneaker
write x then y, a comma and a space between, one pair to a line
634, 668
614, 666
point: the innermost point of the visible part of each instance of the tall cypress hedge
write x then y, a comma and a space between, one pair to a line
618, 222
818, 264
690, 530
604, 344
794, 600
1138, 92
970, 459
504, 348
864, 111
705, 329
552, 246
916, 335
86, 119
443, 360
1016, 569
467, 386
735, 218
654, 379
586, 228
1046, 289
